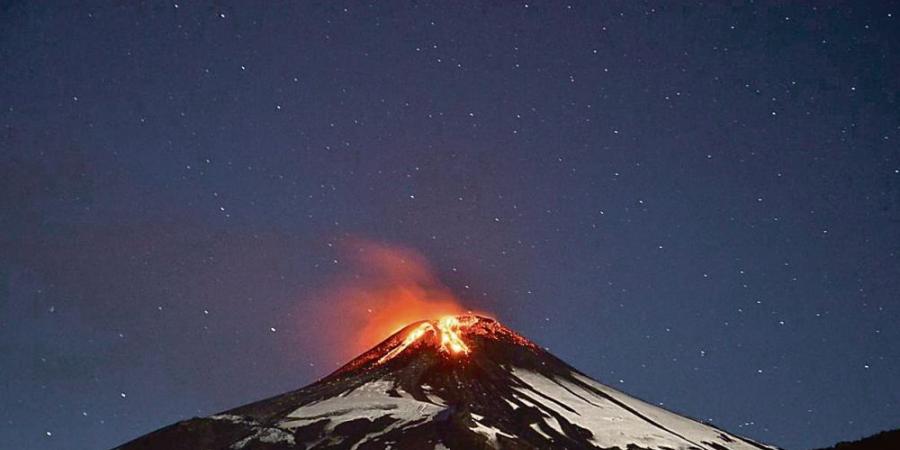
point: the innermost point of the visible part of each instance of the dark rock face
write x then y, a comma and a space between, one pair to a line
886, 440
506, 392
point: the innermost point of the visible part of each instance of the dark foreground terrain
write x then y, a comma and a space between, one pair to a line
886, 440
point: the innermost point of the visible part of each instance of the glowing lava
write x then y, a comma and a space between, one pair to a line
450, 340
449, 328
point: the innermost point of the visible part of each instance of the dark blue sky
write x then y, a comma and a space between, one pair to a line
697, 204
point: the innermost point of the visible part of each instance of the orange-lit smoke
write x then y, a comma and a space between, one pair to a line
384, 289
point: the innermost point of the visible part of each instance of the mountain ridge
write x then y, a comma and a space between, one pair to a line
463, 382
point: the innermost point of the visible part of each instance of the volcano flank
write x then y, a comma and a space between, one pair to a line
459, 382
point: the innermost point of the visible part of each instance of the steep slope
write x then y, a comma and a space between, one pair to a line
459, 383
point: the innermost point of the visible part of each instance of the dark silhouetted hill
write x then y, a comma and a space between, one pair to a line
886, 440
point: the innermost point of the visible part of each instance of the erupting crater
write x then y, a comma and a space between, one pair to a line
454, 382
455, 337
446, 333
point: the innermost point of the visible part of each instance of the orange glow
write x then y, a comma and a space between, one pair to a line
449, 328
412, 337
380, 290
450, 339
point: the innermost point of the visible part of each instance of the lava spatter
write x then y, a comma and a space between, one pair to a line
450, 335
446, 332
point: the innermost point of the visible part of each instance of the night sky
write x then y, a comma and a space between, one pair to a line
696, 204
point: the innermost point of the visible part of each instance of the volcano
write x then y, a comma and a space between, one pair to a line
464, 382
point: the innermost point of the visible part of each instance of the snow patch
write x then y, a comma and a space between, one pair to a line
617, 422
267, 435
231, 418
369, 401
690, 429
488, 431
555, 425
537, 429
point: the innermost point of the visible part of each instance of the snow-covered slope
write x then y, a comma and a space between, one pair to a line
504, 393
617, 420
